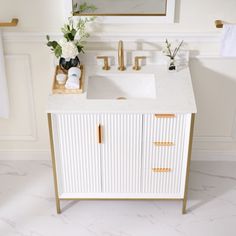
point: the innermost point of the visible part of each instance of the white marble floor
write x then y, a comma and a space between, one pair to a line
27, 206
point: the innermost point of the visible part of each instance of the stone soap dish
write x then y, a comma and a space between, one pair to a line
60, 88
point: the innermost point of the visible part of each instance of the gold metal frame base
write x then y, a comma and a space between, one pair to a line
117, 199
121, 199
188, 164
53, 164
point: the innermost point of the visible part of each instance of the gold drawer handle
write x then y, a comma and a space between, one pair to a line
163, 144
161, 170
99, 133
165, 115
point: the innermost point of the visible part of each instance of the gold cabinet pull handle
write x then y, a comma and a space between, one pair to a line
99, 133
161, 170
165, 115
13, 22
163, 144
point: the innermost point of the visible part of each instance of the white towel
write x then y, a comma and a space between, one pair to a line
228, 41
72, 82
4, 100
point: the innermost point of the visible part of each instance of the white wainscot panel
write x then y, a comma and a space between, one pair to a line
21, 126
214, 81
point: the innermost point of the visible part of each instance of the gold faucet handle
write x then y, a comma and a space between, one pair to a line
136, 63
106, 63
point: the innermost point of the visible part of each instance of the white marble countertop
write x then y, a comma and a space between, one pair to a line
174, 94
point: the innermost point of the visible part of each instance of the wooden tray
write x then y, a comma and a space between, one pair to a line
60, 88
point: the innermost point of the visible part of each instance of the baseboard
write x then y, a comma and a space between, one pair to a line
197, 155
213, 155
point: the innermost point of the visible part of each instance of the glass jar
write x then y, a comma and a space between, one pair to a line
172, 64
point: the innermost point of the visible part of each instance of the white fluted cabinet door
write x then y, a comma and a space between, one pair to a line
121, 152
77, 153
165, 152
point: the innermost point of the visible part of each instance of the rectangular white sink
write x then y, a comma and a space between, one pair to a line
122, 86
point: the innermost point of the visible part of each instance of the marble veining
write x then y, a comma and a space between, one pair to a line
27, 206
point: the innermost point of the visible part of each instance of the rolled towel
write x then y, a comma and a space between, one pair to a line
72, 83
74, 71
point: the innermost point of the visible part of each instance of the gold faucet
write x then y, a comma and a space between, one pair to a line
136, 63
121, 56
106, 62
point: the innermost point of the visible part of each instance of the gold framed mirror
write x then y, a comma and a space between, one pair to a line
165, 14
120, 7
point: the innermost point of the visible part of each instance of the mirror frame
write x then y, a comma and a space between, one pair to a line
128, 18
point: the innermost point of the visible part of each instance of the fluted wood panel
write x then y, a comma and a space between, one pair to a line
77, 153
174, 158
127, 160
121, 153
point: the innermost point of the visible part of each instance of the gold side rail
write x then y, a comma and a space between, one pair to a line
13, 23
188, 164
53, 163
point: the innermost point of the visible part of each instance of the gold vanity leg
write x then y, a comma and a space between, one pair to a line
53, 164
188, 164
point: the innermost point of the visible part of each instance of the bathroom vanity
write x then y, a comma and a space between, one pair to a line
128, 136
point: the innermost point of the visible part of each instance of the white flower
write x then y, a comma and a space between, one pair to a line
69, 50
62, 42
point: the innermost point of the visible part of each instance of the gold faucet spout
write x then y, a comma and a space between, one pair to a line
121, 56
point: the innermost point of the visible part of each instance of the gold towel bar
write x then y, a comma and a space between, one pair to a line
13, 23
219, 23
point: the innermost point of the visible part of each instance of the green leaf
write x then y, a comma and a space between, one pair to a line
58, 51
69, 37
52, 44
73, 32
48, 37
80, 48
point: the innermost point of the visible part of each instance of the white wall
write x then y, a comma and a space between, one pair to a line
30, 69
